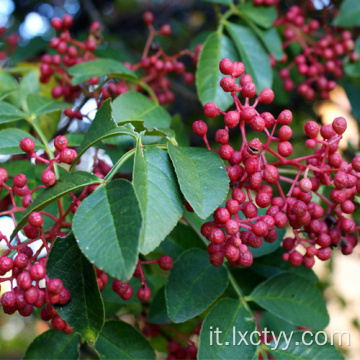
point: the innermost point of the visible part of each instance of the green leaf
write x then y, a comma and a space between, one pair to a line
54, 345
157, 311
10, 139
271, 40
86, 70
180, 239
9, 113
39, 105
74, 139
253, 55
102, 127
5, 93
228, 316
208, 75
298, 350
66, 184
202, 177
193, 285
263, 16
273, 264
159, 196
135, 106
293, 299
29, 84
67, 263
119, 340
349, 14
178, 125
102, 124
107, 226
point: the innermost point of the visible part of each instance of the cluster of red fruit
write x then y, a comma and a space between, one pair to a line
34, 288
30, 292
65, 155
9, 43
321, 59
124, 289
154, 68
253, 177
69, 52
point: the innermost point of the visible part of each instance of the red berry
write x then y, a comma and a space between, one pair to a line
305, 185
165, 30
54, 286
57, 91
144, 293
6, 264
90, 45
148, 17
166, 262
211, 110
285, 117
58, 323
35, 219
226, 66
217, 236
199, 128
295, 258
127, 294
249, 90
56, 23
222, 137
266, 96
226, 152
20, 180
245, 259
30, 231
27, 145
339, 125
48, 178
232, 119
285, 148
285, 133
37, 272
67, 20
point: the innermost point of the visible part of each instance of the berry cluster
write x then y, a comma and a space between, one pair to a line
65, 155
9, 43
158, 66
153, 68
68, 53
33, 287
31, 279
321, 59
124, 289
239, 225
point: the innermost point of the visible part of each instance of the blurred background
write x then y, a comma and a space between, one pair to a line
191, 21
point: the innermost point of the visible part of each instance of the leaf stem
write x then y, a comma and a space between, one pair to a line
120, 162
